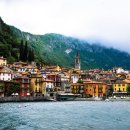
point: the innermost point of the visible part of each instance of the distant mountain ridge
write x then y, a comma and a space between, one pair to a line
56, 49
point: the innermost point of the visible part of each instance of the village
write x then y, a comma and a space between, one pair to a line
23, 81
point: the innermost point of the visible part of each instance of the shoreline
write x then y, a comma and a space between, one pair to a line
46, 99
25, 99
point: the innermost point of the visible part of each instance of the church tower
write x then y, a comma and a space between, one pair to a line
77, 62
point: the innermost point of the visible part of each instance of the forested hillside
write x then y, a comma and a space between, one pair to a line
56, 49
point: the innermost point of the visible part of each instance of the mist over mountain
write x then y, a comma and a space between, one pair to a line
56, 49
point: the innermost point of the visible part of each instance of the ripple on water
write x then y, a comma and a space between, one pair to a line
65, 116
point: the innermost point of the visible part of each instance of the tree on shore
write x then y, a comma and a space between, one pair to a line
128, 88
14, 88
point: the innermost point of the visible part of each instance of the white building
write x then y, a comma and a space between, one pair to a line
74, 78
121, 70
48, 87
6, 76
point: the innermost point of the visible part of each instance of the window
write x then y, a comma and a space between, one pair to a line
81, 87
22, 86
28, 90
22, 90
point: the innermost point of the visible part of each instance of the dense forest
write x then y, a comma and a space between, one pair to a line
13, 48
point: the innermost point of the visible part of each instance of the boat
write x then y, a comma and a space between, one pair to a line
107, 100
52, 100
97, 99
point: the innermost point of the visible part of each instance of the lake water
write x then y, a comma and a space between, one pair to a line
85, 115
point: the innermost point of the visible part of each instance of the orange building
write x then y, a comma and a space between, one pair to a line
94, 88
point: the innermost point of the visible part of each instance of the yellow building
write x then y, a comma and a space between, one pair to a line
3, 61
94, 88
120, 86
36, 84
77, 88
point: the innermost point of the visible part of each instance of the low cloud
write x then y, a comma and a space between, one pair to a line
95, 20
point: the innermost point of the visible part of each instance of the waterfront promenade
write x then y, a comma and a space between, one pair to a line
48, 99
24, 99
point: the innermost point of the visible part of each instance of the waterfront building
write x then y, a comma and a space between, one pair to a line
36, 84
67, 87
94, 88
120, 87
25, 85
57, 80
65, 78
77, 88
48, 87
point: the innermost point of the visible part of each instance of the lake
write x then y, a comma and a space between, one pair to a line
77, 115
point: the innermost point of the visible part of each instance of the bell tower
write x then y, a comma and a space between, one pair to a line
77, 62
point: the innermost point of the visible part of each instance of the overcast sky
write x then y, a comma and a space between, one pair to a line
105, 21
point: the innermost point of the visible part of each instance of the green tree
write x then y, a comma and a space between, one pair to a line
25, 52
110, 91
21, 50
11, 59
80, 81
30, 55
14, 88
128, 88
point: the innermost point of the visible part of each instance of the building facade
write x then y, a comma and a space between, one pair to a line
94, 88
3, 61
25, 86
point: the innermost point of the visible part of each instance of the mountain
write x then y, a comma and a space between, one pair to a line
8, 42
56, 49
